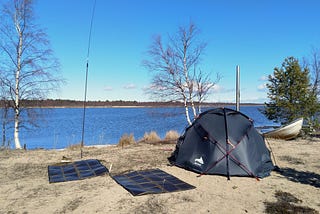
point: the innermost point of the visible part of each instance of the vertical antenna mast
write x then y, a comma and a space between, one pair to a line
86, 80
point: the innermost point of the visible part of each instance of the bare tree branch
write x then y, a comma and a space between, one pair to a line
175, 69
30, 71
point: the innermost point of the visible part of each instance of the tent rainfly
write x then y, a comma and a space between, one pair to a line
223, 141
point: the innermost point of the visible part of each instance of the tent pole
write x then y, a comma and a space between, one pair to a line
227, 141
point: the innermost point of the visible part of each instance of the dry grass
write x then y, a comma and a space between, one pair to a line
171, 135
152, 205
76, 146
151, 137
126, 140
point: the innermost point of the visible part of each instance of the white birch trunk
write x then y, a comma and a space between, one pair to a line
16, 133
187, 111
17, 88
17, 111
188, 82
193, 108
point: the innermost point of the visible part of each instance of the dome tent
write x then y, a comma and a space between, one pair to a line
223, 141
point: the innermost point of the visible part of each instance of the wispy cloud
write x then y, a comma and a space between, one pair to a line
108, 88
146, 88
217, 88
220, 89
263, 78
130, 86
262, 87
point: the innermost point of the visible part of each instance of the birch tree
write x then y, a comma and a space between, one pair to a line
176, 76
29, 69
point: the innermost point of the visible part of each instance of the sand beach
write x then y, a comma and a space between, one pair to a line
24, 185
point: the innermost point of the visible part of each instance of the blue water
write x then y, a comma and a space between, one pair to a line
62, 127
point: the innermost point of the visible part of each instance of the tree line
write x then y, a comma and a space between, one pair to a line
55, 103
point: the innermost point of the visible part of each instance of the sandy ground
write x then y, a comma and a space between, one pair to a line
24, 186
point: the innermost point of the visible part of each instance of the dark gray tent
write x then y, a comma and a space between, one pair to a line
223, 141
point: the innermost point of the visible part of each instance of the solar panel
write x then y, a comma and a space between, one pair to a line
151, 181
76, 171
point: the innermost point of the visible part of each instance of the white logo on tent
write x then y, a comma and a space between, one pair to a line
198, 161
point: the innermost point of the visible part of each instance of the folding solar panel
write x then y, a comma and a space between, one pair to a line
76, 171
151, 181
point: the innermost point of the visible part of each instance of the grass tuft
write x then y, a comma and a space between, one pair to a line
126, 140
171, 135
151, 137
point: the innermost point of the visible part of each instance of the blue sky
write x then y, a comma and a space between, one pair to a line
256, 35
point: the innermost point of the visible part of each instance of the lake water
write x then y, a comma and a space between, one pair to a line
62, 127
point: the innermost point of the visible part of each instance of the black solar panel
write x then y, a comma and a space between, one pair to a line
150, 182
76, 171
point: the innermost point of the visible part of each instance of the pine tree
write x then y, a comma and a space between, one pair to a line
290, 93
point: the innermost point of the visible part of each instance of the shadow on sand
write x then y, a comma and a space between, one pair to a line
309, 178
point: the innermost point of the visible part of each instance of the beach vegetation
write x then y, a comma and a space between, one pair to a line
290, 94
171, 135
151, 137
126, 140
76, 146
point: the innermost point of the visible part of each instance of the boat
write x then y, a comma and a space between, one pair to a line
287, 132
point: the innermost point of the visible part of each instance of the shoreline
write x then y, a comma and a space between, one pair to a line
115, 104
139, 106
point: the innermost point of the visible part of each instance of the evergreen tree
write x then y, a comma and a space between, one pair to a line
290, 93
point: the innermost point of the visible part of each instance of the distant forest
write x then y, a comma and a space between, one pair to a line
57, 103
